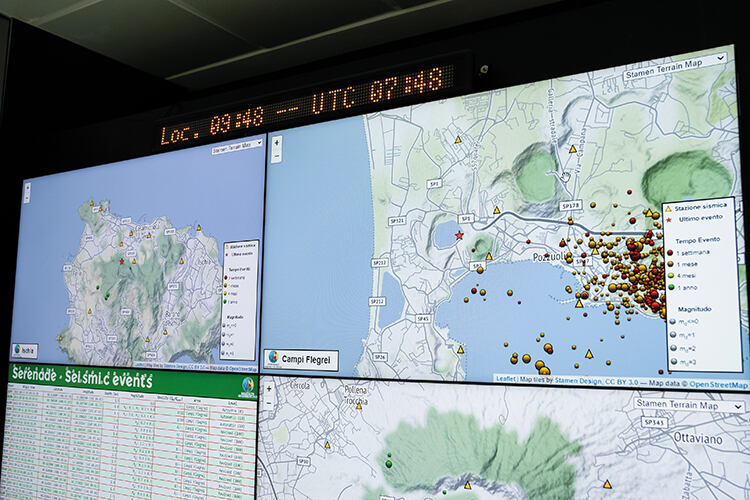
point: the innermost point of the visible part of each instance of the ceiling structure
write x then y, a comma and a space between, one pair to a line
202, 43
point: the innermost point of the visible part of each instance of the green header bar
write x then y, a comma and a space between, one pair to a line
177, 383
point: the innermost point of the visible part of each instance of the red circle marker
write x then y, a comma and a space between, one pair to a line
669, 252
661, 372
528, 241
585, 314
519, 301
473, 249
630, 191
632, 220
473, 290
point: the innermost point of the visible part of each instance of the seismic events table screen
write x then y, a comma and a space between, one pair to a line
75, 432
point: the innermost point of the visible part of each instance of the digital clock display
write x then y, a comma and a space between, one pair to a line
323, 102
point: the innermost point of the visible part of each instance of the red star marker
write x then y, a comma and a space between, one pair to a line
669, 219
459, 235
122, 261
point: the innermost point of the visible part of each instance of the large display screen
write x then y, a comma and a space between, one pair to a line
152, 262
583, 230
324, 438
432, 276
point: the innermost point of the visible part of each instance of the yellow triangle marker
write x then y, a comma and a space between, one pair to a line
467, 486
89, 311
359, 406
165, 331
131, 233
607, 485
327, 446
595, 252
199, 227
460, 349
133, 261
59, 338
649, 213
579, 303
121, 243
458, 140
496, 211
573, 149
669, 209
181, 262
100, 209
148, 235
588, 354
148, 339
489, 256
92, 203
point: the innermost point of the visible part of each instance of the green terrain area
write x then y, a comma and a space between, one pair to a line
533, 170
91, 218
482, 246
373, 494
690, 175
452, 445
719, 107
171, 251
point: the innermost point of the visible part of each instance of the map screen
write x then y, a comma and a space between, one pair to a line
152, 262
584, 230
322, 438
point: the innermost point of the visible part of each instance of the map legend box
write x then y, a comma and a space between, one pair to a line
239, 301
703, 304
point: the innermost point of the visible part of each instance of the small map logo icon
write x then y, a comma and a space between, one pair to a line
247, 384
17, 348
273, 356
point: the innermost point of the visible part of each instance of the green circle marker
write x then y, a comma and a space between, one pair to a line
225, 301
445, 492
389, 455
97, 287
671, 287
388, 464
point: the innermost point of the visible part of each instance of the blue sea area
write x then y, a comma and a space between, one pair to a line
319, 242
483, 326
394, 300
444, 235
223, 193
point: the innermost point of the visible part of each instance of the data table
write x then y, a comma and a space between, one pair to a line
167, 435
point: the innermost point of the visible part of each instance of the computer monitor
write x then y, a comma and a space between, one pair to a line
582, 230
151, 262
